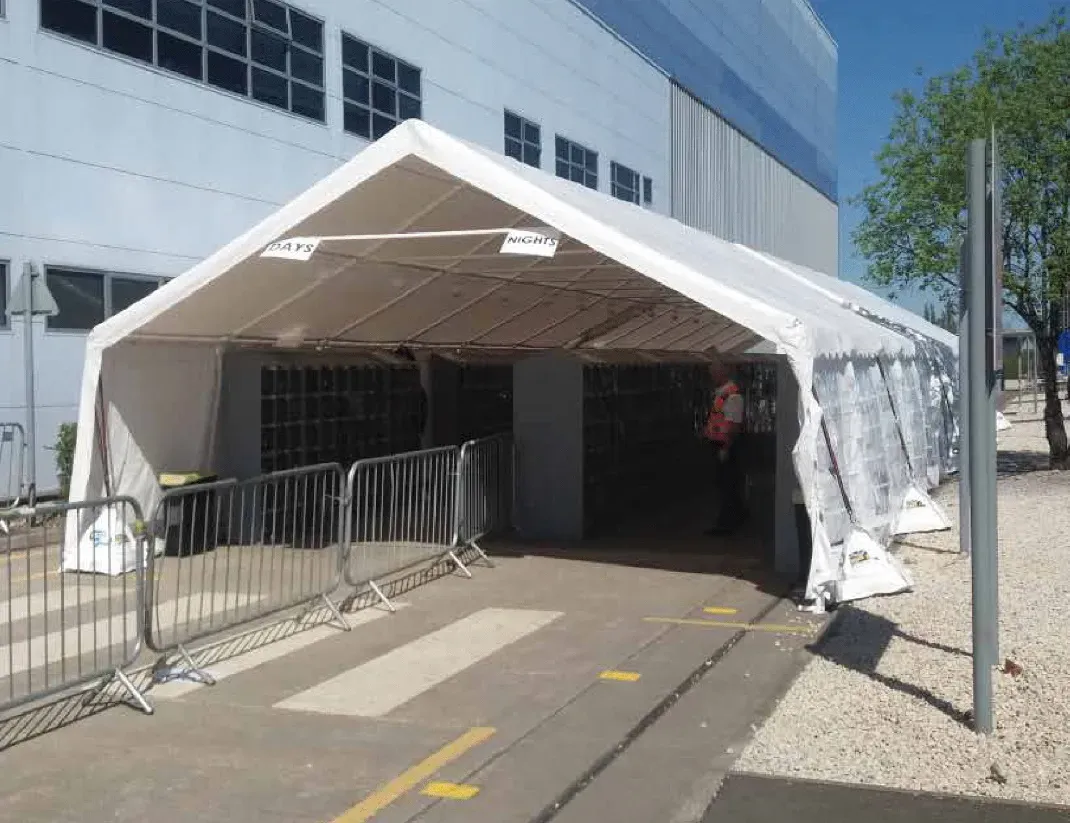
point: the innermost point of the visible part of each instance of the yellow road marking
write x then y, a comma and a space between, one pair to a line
719, 610
450, 791
408, 780
724, 624
623, 677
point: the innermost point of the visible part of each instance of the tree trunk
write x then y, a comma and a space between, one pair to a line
1053, 407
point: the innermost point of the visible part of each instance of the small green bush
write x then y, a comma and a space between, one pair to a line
64, 448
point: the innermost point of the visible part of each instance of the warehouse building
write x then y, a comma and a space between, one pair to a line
141, 135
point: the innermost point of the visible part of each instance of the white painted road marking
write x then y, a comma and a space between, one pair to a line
249, 660
381, 685
79, 640
58, 598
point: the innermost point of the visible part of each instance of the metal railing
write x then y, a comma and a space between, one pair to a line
484, 490
231, 552
62, 630
12, 464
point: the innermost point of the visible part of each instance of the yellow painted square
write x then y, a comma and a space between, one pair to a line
719, 610
450, 791
622, 677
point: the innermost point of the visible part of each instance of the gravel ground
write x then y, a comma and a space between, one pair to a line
884, 700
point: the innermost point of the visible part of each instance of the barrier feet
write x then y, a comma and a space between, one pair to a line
457, 562
340, 619
382, 597
162, 672
128, 686
481, 553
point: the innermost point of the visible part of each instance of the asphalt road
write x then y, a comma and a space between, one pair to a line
753, 799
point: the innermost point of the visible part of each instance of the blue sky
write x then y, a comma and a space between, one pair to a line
880, 46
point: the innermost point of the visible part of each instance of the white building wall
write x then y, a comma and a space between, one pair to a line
728, 185
111, 165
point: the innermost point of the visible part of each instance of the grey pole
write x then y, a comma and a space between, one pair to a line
979, 411
964, 407
993, 372
30, 272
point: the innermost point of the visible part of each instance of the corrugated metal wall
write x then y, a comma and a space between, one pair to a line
726, 184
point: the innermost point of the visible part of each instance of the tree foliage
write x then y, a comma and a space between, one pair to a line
914, 216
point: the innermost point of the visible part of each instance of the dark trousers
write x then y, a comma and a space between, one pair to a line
729, 480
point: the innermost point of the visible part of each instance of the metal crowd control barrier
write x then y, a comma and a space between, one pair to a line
484, 490
12, 463
62, 630
402, 511
231, 552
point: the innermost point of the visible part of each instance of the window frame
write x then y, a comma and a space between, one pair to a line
618, 188
107, 278
571, 165
522, 142
5, 287
249, 23
371, 80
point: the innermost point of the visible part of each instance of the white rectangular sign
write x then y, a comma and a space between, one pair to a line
531, 242
293, 248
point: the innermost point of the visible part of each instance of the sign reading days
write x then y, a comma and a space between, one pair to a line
293, 248
531, 242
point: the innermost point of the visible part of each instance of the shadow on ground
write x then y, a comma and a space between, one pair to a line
857, 640
1021, 462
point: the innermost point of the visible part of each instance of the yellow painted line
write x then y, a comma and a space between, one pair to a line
450, 791
719, 610
408, 780
623, 677
724, 624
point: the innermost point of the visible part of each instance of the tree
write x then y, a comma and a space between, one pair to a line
915, 214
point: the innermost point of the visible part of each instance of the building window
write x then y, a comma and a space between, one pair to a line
576, 163
87, 298
378, 90
256, 48
624, 183
5, 321
648, 191
523, 139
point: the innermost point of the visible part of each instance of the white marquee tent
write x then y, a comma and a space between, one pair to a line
622, 279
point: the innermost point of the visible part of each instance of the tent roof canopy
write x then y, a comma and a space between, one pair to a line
623, 278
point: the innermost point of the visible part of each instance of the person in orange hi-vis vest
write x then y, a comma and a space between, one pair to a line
722, 429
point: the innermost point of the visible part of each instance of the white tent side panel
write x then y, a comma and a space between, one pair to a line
153, 408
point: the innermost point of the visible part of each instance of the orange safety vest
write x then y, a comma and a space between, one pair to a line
717, 425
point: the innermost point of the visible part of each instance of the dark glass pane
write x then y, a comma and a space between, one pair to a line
270, 14
70, 17
306, 102
576, 174
409, 108
576, 154
176, 54
139, 8
561, 147
306, 31
80, 298
354, 54
648, 190
409, 78
125, 36
4, 321
384, 98
512, 126
268, 50
592, 180
562, 169
227, 73
226, 34
592, 161
531, 133
125, 292
235, 7
513, 149
531, 155
381, 125
305, 66
357, 120
384, 66
354, 86
270, 88
179, 15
